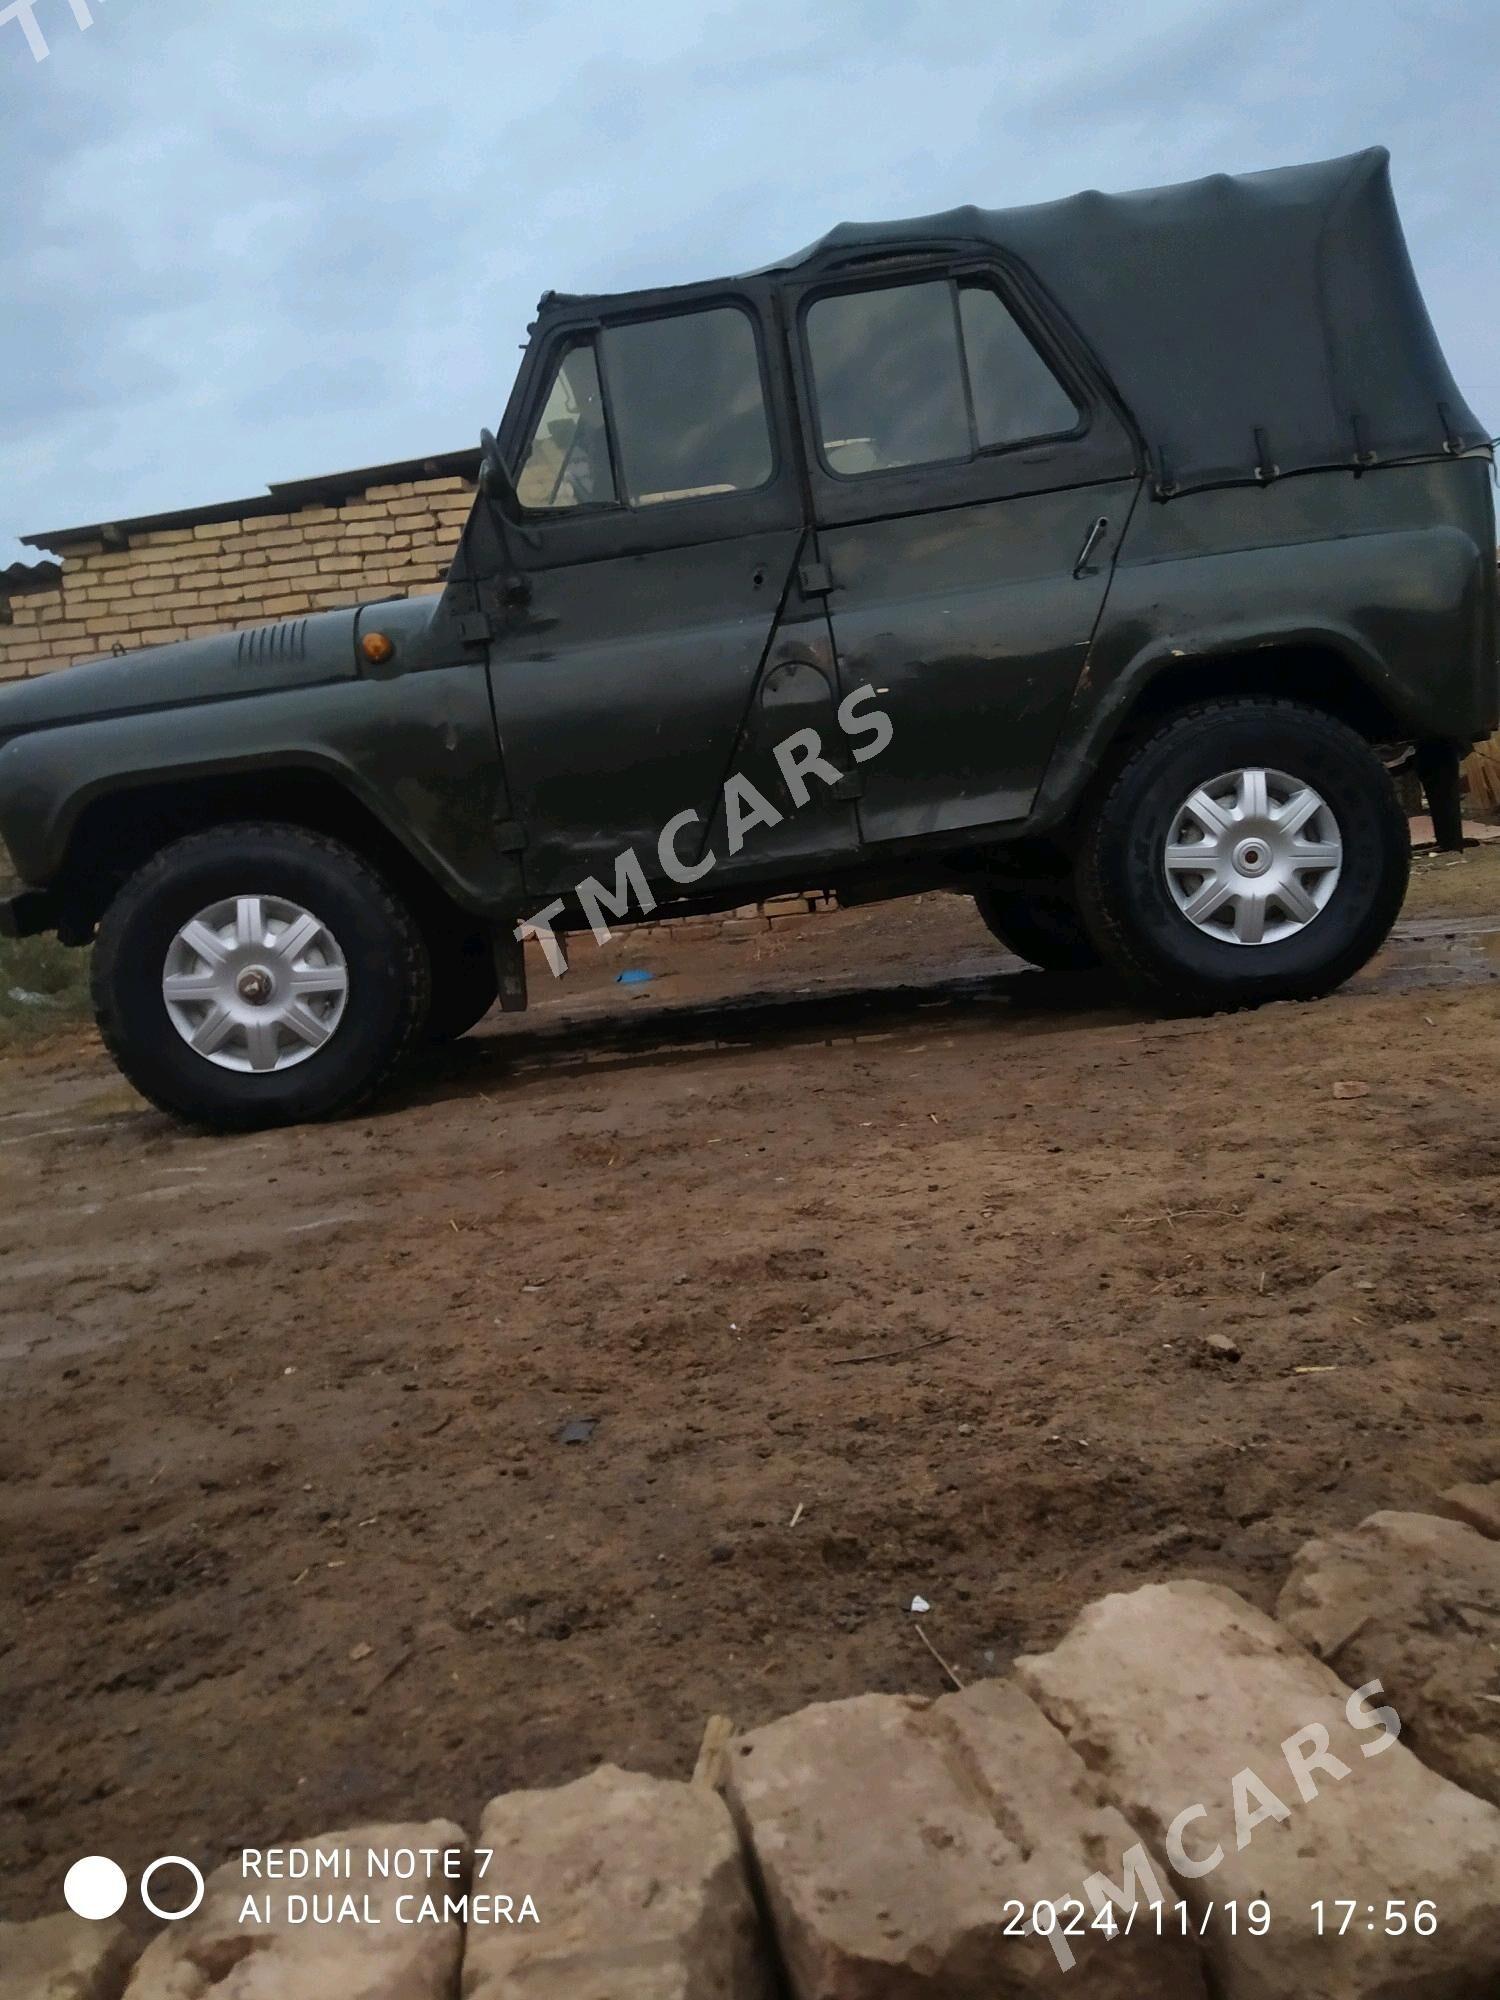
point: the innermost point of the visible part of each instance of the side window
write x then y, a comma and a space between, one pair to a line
925, 374
1015, 394
567, 463
888, 375
688, 405
685, 416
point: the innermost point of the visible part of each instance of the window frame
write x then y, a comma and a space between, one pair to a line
616, 456
591, 508
559, 535
1105, 446
956, 278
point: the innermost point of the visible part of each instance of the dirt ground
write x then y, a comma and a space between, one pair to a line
890, 1275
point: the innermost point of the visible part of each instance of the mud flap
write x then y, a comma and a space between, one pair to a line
510, 971
1437, 767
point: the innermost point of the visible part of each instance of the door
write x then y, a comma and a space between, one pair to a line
662, 513
971, 482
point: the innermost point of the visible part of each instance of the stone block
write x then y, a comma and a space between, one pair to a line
64, 1958
1263, 1777
223, 1953
911, 1850
640, 1890
1478, 1506
1415, 1601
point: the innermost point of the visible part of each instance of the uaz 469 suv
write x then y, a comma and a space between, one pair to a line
1091, 559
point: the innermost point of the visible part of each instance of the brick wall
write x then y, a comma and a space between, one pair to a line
144, 585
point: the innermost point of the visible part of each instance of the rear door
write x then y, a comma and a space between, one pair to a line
663, 514
971, 480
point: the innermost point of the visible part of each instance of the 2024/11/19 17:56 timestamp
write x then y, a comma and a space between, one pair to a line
1393, 1918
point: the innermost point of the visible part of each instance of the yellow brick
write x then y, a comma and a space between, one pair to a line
281, 607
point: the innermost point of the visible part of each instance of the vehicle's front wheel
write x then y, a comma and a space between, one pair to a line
1045, 930
258, 974
1247, 850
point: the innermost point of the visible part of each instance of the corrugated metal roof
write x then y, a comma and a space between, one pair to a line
327, 488
31, 576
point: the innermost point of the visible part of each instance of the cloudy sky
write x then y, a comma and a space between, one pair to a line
260, 239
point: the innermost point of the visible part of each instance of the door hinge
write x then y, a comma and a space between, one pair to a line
509, 837
815, 579
475, 629
850, 786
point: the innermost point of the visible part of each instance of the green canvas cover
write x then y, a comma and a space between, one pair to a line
1253, 324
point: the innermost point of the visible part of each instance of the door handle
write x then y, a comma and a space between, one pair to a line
1091, 542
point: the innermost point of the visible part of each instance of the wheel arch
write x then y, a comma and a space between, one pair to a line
1326, 670
120, 827
1316, 670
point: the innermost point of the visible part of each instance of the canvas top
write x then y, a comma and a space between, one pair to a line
1253, 324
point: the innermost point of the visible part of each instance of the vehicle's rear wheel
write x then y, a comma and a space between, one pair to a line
1045, 930
464, 986
258, 974
1247, 850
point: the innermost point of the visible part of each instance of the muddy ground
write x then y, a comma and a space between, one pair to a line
905, 1242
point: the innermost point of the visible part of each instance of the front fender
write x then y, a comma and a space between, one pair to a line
418, 751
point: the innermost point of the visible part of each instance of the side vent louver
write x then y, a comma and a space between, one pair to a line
264, 643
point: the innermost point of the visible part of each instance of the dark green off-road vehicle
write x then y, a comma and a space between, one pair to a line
1093, 559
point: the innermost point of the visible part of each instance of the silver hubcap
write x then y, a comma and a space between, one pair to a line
1253, 857
255, 983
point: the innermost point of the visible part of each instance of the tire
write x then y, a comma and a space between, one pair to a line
365, 976
1044, 930
1125, 872
464, 986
